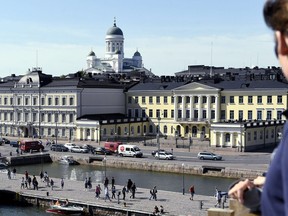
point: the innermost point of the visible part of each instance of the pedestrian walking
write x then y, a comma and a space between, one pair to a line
52, 184
9, 173
112, 182
86, 184
124, 192
113, 192
153, 193
133, 190
192, 192
218, 198
29, 181
97, 191
14, 173
106, 182
62, 183
129, 185
26, 175
106, 192
89, 183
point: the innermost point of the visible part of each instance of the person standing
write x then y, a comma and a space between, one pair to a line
9, 173
112, 182
22, 183
133, 190
113, 192
106, 192
124, 192
14, 173
52, 184
274, 196
192, 192
62, 183
106, 182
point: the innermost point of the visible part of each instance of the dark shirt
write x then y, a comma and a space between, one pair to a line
274, 199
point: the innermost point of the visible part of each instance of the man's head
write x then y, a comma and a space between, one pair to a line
276, 17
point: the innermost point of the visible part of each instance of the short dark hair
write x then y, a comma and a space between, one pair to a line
276, 14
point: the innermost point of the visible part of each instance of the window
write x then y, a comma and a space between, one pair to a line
11, 101
279, 115
250, 99
231, 99
26, 117
179, 99
187, 113
42, 117
165, 114
150, 113
143, 100
49, 117
42, 101
19, 101
34, 101
34, 117
212, 114
129, 100
240, 115
269, 99
223, 99
165, 100
204, 114
71, 118
204, 100
26, 101
5, 101
165, 129
261, 135
240, 100
56, 101
269, 115
179, 114
136, 113
143, 113
231, 114
259, 99
223, 114
64, 118
172, 113
250, 116
19, 116
5, 116
49, 131
249, 136
259, 115
195, 99
150, 100
279, 99
172, 99
195, 113
136, 99
71, 99
56, 118
64, 101
158, 99
63, 132
227, 137
213, 99
187, 98
49, 101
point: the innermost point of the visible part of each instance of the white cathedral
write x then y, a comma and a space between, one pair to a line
114, 61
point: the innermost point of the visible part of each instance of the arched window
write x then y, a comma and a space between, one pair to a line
104, 131
227, 137
138, 129
119, 131
165, 129
186, 130
194, 131
145, 129
88, 132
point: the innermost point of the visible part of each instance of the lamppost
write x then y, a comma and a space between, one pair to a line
158, 133
96, 135
183, 185
144, 139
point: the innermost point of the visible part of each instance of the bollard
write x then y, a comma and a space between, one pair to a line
201, 204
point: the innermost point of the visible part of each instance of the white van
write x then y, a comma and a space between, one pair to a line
129, 150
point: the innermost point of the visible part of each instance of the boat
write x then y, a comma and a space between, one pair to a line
65, 210
67, 159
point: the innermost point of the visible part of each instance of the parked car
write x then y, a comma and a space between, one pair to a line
102, 151
89, 147
14, 144
59, 147
79, 149
164, 155
69, 145
208, 156
154, 152
4, 141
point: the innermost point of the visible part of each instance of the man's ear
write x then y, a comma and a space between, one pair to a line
281, 41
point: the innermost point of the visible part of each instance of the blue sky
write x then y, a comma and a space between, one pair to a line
57, 35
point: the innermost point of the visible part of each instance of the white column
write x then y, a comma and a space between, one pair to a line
232, 140
217, 108
199, 107
208, 108
191, 108
175, 107
222, 139
183, 108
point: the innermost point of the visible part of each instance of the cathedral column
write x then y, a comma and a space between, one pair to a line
191, 108
208, 117
200, 108
175, 107
222, 139
217, 108
183, 108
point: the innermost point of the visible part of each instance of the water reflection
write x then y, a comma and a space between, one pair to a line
144, 179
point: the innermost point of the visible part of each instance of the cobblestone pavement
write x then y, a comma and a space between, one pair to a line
173, 203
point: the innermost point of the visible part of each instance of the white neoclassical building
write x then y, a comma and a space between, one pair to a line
114, 60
